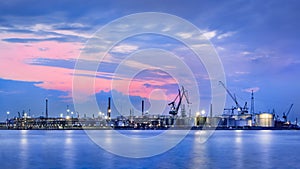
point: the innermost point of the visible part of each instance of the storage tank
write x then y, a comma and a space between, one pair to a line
243, 120
265, 120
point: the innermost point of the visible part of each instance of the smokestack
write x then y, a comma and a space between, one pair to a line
108, 108
142, 107
46, 108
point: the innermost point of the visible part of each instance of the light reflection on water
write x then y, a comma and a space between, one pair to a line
69, 154
225, 149
24, 148
199, 158
265, 143
238, 149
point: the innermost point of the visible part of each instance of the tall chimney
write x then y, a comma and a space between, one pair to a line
46, 108
142, 107
108, 108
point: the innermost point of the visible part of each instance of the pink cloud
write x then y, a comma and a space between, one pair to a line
14, 57
14, 66
249, 90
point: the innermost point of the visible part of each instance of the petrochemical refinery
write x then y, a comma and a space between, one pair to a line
237, 117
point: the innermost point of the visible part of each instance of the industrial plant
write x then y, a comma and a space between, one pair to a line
237, 117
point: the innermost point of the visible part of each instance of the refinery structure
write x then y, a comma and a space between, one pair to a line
237, 117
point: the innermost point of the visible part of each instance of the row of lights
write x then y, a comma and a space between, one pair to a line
100, 114
7, 113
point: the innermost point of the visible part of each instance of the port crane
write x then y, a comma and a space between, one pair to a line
174, 108
240, 109
285, 115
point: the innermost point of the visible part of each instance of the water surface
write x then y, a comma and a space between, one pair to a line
225, 149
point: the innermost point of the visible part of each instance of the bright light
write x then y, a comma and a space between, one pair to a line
238, 131
7, 113
67, 117
61, 115
105, 117
203, 112
197, 113
72, 113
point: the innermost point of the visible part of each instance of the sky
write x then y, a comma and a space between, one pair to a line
41, 42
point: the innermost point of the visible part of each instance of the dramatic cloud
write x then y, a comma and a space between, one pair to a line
257, 44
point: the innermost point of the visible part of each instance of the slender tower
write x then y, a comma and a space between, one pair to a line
142, 107
252, 104
46, 108
108, 108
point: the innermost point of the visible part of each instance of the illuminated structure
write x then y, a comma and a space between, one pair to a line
108, 109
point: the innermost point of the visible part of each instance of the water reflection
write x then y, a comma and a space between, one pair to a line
238, 150
23, 154
238, 137
225, 149
24, 140
200, 136
69, 153
199, 151
264, 140
265, 137
136, 147
68, 141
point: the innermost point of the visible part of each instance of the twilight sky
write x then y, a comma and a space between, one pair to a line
40, 41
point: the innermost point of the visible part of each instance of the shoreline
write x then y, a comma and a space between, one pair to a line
169, 128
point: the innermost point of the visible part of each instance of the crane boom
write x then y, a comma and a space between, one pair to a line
233, 97
185, 94
288, 112
174, 110
285, 115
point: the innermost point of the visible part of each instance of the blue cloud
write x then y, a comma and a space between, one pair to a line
104, 67
69, 64
30, 40
63, 38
